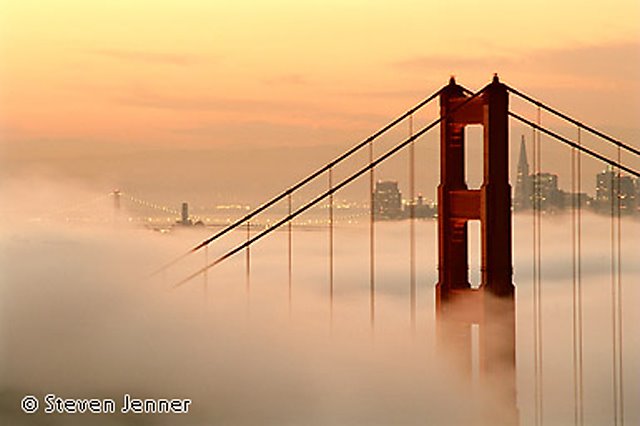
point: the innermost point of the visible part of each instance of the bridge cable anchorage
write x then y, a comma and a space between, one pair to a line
372, 252
302, 182
580, 147
412, 226
337, 187
563, 116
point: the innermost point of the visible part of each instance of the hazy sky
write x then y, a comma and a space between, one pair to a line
83, 82
155, 71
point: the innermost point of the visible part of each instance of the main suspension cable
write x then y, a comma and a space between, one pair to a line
574, 121
337, 187
572, 143
302, 182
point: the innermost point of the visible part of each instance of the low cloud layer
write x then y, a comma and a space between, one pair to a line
79, 319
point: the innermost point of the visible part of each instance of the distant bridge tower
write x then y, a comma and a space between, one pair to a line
488, 310
184, 216
116, 200
116, 205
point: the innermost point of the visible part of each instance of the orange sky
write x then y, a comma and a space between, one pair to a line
167, 71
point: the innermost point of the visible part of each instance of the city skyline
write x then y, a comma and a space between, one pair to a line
390, 204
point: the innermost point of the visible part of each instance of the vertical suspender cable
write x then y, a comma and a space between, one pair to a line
539, 274
372, 268
614, 333
579, 279
248, 264
534, 204
616, 288
412, 225
576, 201
537, 292
331, 245
619, 283
574, 289
206, 273
289, 252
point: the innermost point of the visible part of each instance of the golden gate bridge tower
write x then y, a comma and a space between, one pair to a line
489, 308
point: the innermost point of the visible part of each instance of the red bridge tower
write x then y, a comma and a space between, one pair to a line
490, 308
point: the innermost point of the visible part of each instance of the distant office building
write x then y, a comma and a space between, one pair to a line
546, 194
604, 187
387, 200
522, 196
581, 199
421, 209
611, 185
424, 209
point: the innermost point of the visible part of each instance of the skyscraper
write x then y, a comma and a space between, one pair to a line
387, 200
522, 197
549, 197
611, 185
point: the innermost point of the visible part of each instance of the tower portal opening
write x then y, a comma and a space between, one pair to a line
474, 246
473, 151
